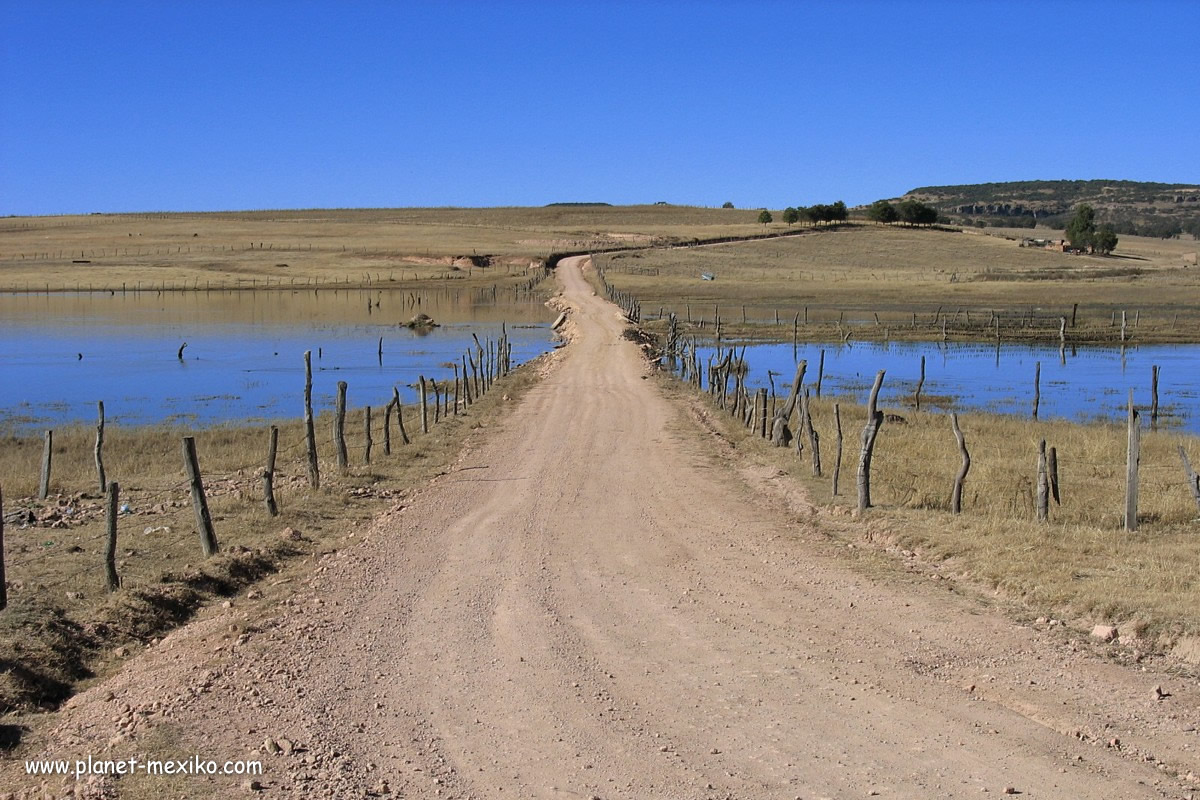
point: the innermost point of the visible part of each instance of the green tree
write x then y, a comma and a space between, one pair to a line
838, 212
1105, 240
765, 218
1081, 228
913, 212
791, 216
727, 204
882, 211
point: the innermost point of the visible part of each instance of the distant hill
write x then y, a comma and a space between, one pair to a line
1132, 207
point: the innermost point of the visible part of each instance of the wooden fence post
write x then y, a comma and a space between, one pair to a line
1053, 467
100, 445
310, 434
112, 508
956, 493
1131, 467
762, 412
339, 426
820, 371
367, 432
387, 428
869, 432
3, 585
780, 435
920, 384
47, 456
204, 526
268, 476
1037, 387
1043, 484
424, 406
399, 415
1154, 397
837, 462
1193, 481
814, 440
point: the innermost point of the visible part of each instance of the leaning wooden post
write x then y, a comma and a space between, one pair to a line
779, 431
956, 493
204, 526
1131, 467
268, 476
47, 455
110, 551
339, 426
1037, 387
100, 446
3, 585
869, 432
920, 383
1193, 482
1043, 484
399, 415
1154, 397
820, 371
466, 384
424, 405
310, 434
437, 401
814, 440
387, 429
837, 461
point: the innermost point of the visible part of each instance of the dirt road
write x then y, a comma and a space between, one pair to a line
591, 606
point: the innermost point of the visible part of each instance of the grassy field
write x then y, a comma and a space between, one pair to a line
870, 281
1080, 565
62, 626
328, 246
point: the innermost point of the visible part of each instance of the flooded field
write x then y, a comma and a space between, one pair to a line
60, 353
1084, 383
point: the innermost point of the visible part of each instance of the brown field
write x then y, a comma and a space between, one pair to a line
286, 248
874, 279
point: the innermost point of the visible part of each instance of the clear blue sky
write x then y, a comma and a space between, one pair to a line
118, 106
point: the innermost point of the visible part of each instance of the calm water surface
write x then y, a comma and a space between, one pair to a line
59, 354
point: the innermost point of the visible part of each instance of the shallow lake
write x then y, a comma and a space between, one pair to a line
1082, 384
244, 359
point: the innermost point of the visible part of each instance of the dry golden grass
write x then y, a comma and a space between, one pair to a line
62, 624
1081, 564
860, 273
239, 249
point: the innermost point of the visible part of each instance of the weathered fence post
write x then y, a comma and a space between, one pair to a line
814, 440
1131, 467
424, 405
268, 476
3, 585
204, 526
1043, 484
837, 462
820, 371
310, 434
920, 384
367, 432
1053, 467
1154, 397
47, 456
761, 398
112, 508
869, 432
437, 401
956, 493
1193, 480
780, 435
399, 415
1037, 387
100, 445
339, 426
387, 429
